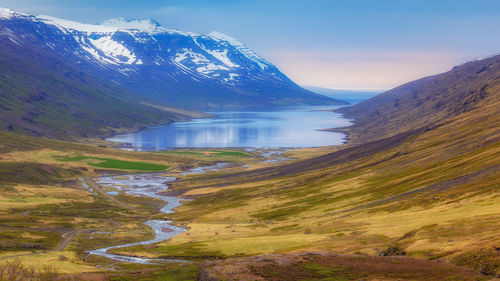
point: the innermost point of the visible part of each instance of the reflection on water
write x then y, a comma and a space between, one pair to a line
283, 127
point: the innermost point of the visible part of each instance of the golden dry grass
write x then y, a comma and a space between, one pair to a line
437, 195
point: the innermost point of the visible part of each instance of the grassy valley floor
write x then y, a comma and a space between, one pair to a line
431, 194
52, 212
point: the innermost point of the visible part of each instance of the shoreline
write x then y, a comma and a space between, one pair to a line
285, 135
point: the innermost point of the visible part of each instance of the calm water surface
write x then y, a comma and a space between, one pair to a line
280, 127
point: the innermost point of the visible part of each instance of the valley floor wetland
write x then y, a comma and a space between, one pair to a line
149, 185
146, 185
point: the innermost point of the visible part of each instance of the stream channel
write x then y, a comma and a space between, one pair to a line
149, 185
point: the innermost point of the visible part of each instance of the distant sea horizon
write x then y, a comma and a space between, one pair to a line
351, 96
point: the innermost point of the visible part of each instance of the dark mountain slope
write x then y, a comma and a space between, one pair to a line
427, 101
42, 95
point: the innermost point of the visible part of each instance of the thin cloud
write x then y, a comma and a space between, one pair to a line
167, 10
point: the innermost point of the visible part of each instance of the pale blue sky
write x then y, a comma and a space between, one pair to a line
335, 43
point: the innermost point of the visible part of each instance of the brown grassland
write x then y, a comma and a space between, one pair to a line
435, 194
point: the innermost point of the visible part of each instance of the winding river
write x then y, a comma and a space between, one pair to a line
149, 185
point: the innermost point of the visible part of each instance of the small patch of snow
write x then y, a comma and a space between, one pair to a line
114, 50
14, 41
6, 13
211, 67
180, 57
97, 56
263, 64
205, 65
232, 76
51, 45
148, 25
182, 67
195, 57
221, 55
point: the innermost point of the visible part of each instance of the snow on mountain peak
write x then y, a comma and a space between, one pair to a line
6, 13
73, 25
148, 25
140, 51
112, 25
224, 37
98, 41
263, 64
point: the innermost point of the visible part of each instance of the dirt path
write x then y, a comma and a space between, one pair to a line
99, 190
67, 239
72, 234
64, 243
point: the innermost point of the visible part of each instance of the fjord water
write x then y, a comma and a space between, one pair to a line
279, 127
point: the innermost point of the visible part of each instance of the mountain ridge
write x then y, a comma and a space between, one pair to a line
42, 95
425, 102
174, 67
100, 85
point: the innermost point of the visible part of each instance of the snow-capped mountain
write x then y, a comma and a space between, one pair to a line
171, 66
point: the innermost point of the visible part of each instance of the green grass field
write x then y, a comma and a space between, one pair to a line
110, 163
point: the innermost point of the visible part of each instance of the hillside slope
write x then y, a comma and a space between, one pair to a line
432, 192
426, 102
42, 95
429, 193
